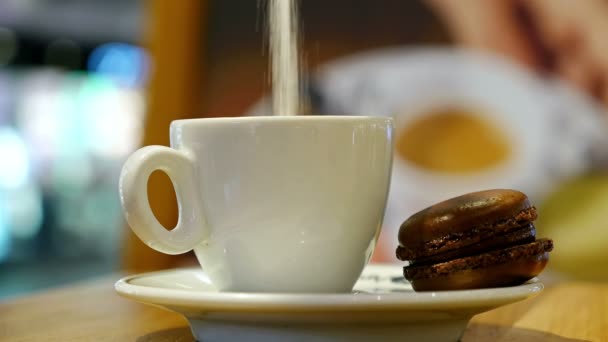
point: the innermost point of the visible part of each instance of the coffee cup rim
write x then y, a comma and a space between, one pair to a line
285, 118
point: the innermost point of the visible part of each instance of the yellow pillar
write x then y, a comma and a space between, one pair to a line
174, 37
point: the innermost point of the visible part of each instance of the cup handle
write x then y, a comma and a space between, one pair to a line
191, 227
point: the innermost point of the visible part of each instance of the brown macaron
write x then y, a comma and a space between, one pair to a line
477, 240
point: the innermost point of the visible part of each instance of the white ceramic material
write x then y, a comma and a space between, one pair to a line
382, 307
271, 204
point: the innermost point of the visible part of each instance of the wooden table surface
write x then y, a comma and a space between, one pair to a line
94, 312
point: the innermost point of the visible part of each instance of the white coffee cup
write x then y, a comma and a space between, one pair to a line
269, 204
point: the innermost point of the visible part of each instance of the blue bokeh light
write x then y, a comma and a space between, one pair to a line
122, 62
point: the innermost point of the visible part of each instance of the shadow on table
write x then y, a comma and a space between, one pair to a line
487, 332
475, 332
170, 335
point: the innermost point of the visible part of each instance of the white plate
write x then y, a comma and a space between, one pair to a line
382, 307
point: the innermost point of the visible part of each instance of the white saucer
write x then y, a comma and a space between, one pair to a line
382, 307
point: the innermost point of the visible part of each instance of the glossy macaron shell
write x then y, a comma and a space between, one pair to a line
462, 221
477, 240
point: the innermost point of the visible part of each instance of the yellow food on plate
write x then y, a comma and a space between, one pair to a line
453, 140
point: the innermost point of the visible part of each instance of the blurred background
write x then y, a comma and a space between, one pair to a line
484, 94
72, 107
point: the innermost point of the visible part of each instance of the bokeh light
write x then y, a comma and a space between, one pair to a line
123, 62
112, 116
24, 212
15, 161
39, 114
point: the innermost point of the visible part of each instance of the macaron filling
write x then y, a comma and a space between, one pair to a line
522, 235
471, 236
538, 249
